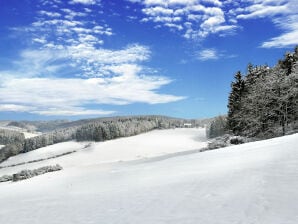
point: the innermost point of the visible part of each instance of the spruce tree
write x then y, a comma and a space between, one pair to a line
234, 104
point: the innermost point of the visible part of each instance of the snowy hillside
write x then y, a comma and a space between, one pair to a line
151, 144
21, 130
250, 183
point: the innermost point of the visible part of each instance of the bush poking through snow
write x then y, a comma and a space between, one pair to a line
38, 160
236, 140
227, 140
26, 174
6, 178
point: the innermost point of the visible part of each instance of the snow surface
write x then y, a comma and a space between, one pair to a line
41, 153
31, 134
251, 183
147, 145
21, 130
1, 146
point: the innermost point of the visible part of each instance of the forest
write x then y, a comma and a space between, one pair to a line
91, 130
263, 103
10, 136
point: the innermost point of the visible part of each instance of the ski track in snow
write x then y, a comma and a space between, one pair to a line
253, 183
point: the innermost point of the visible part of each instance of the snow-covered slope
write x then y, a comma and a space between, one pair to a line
151, 144
250, 183
31, 134
21, 130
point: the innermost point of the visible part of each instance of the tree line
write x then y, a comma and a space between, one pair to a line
263, 103
9, 136
94, 130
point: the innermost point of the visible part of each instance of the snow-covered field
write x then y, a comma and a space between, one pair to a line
31, 134
151, 144
251, 183
21, 130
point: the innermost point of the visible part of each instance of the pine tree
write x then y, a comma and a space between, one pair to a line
264, 103
234, 104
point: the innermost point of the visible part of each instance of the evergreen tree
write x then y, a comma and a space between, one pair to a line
234, 103
263, 103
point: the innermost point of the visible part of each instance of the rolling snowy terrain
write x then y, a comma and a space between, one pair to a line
132, 180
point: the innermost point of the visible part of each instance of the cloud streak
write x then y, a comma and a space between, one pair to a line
290, 35
56, 95
84, 2
283, 14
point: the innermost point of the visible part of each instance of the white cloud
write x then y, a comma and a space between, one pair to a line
214, 2
285, 40
71, 14
40, 40
130, 54
212, 22
15, 108
58, 24
213, 54
207, 54
200, 18
73, 111
71, 28
283, 14
256, 11
49, 14
84, 2
64, 72
158, 10
205, 17
129, 85
174, 26
168, 2
290, 35
84, 60
194, 17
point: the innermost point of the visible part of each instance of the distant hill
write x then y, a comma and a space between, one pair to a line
98, 129
40, 126
51, 125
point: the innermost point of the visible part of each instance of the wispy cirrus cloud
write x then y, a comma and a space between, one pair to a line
15, 108
49, 14
67, 68
290, 35
208, 54
250, 9
283, 14
84, 2
53, 95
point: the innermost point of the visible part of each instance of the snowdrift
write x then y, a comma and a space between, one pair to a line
250, 183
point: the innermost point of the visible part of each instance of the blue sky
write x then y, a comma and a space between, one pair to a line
91, 58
